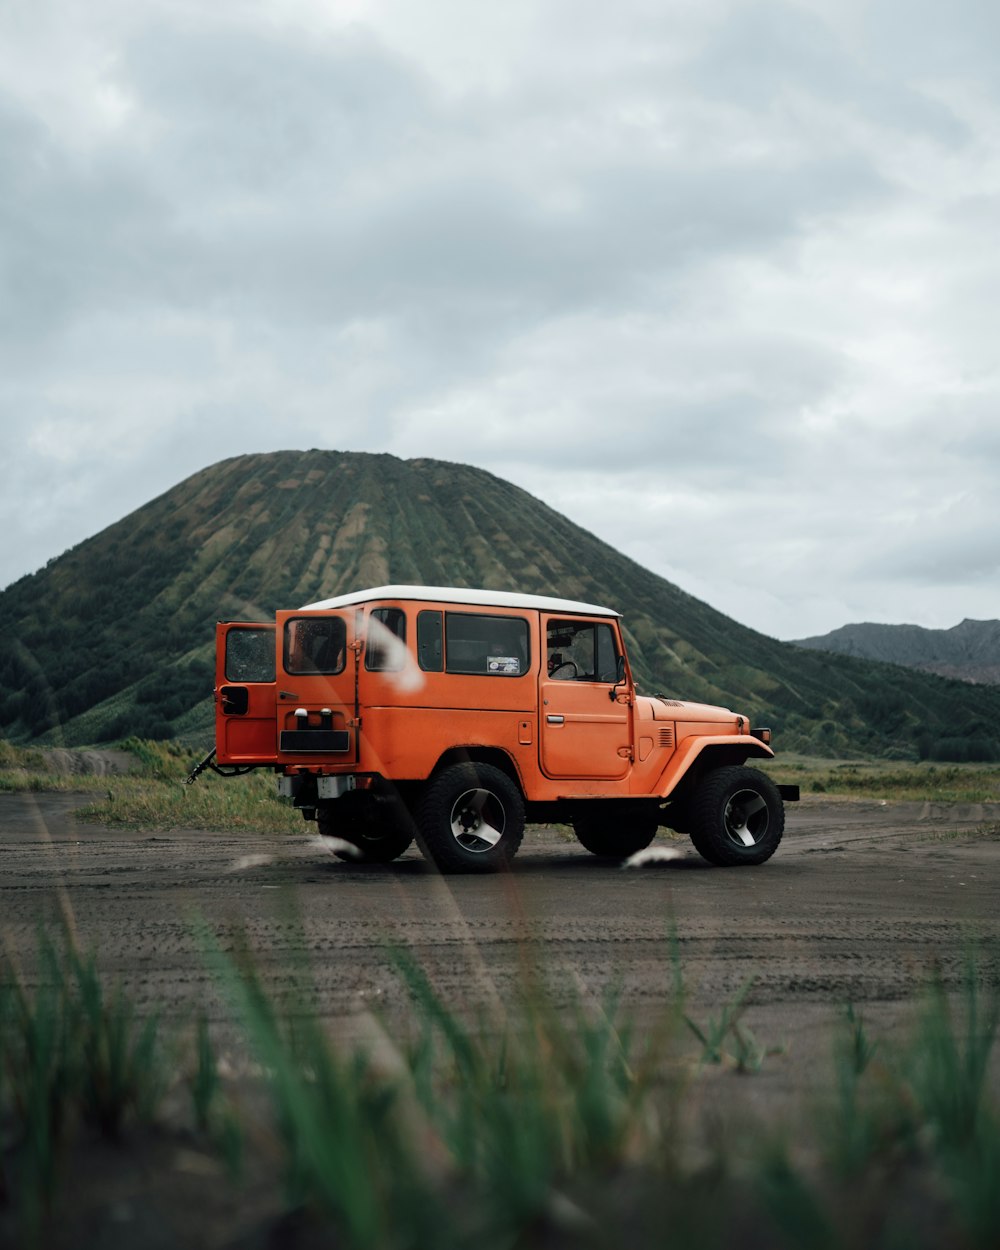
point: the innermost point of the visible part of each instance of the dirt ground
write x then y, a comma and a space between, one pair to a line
861, 899
860, 902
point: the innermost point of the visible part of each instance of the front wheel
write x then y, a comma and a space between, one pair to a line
736, 817
471, 819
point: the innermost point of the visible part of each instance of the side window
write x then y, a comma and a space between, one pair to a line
429, 633
385, 650
315, 644
250, 655
580, 651
496, 646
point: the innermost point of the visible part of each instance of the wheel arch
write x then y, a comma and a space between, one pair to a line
479, 755
687, 768
687, 775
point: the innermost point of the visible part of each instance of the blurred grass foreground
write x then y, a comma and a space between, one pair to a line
534, 1128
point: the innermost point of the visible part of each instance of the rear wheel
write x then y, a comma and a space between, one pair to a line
679, 816
736, 817
615, 837
471, 819
377, 842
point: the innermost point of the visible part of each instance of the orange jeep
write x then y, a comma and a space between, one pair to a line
455, 716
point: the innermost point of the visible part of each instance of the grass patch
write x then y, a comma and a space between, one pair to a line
72, 1051
885, 779
347, 1155
154, 794
726, 1039
27, 768
212, 803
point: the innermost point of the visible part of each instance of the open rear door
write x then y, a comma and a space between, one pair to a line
245, 693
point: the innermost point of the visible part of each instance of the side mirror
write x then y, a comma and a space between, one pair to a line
619, 678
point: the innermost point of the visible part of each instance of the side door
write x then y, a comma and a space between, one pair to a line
245, 693
584, 731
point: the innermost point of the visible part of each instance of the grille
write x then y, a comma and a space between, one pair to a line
667, 737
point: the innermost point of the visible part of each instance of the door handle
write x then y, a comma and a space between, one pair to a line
555, 720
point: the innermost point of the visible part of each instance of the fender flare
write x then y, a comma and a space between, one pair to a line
730, 748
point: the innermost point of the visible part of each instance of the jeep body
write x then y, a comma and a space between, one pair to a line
456, 716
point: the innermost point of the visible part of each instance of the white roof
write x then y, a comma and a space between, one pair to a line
461, 594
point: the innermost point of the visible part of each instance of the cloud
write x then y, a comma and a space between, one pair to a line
718, 282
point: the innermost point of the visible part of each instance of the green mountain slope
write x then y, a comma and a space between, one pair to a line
116, 635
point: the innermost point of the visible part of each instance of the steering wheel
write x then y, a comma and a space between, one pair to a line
560, 673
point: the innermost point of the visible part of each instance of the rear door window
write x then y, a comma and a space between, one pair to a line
250, 655
315, 644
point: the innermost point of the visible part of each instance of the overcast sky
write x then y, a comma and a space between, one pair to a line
718, 280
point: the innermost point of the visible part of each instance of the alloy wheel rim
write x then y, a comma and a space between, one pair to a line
477, 820
746, 818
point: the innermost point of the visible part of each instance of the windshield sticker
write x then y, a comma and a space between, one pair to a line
504, 665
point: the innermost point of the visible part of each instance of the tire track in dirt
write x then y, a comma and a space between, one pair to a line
859, 903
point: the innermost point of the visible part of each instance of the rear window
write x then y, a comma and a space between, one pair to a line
315, 644
386, 648
250, 655
495, 646
429, 655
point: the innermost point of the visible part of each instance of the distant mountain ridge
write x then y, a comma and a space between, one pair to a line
969, 651
116, 636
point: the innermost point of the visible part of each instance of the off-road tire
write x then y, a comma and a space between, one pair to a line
471, 819
374, 842
737, 817
614, 837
